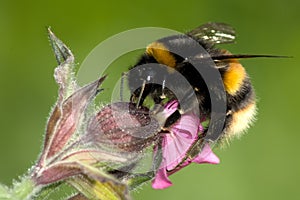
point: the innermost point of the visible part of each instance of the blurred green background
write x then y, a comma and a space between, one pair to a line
264, 164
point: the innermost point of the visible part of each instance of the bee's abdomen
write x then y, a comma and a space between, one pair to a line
241, 101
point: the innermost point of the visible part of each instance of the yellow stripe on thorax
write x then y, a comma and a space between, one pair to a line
234, 76
161, 54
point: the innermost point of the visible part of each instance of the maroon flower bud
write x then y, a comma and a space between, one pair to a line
124, 127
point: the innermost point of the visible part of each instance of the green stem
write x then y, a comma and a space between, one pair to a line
4, 192
25, 189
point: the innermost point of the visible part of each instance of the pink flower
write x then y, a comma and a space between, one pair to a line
176, 144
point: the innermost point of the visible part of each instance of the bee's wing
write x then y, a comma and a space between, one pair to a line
212, 32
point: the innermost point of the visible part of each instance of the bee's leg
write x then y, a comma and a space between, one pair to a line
163, 87
189, 101
140, 98
124, 74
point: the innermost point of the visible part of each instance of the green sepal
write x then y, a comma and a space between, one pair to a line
65, 71
96, 184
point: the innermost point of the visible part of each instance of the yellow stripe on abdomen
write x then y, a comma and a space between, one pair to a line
233, 78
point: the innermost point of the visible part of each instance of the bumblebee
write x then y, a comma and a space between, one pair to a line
240, 101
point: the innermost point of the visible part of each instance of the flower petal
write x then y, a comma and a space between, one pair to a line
170, 108
175, 146
187, 123
206, 156
161, 180
178, 142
